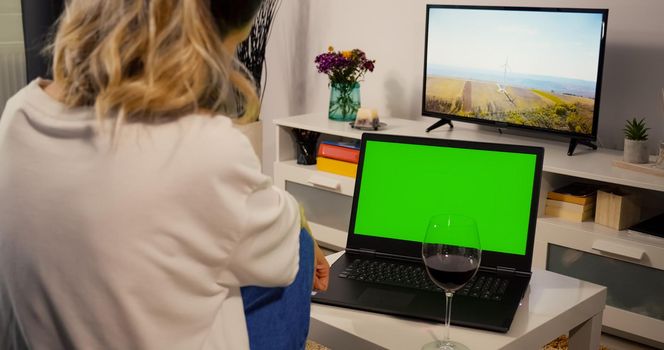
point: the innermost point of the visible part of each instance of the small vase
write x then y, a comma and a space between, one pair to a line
305, 146
344, 101
660, 158
636, 152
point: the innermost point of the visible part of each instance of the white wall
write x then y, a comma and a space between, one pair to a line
11, 29
392, 32
12, 55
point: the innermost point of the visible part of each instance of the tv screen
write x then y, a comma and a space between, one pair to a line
533, 68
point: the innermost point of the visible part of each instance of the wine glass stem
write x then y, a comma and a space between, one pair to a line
448, 314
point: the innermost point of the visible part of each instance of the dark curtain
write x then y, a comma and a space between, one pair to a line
38, 17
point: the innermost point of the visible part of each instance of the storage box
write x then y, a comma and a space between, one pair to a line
617, 208
569, 211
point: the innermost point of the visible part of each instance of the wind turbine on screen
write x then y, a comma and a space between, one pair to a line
503, 89
506, 67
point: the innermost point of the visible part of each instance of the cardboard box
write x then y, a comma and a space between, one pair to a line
617, 209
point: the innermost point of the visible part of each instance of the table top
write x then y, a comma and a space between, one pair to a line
552, 306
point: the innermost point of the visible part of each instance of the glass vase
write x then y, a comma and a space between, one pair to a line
344, 101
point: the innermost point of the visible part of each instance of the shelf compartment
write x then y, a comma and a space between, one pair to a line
328, 213
308, 175
631, 288
588, 236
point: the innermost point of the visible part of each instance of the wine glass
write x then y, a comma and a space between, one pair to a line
451, 252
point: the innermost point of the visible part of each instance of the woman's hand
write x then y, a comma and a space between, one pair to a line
321, 266
321, 270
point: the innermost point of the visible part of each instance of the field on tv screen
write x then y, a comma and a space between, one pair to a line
520, 105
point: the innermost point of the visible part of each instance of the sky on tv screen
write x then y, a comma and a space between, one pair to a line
549, 44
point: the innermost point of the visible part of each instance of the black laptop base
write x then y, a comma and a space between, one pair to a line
421, 304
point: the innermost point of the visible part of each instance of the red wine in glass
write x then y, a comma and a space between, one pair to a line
451, 253
450, 275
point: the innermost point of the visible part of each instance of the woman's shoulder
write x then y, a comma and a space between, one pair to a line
29, 95
216, 140
217, 132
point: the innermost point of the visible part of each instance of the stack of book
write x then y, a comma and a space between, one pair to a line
574, 202
338, 157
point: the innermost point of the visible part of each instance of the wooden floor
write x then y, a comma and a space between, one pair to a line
615, 343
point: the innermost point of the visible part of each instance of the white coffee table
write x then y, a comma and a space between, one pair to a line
553, 305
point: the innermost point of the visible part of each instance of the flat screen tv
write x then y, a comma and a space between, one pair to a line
522, 67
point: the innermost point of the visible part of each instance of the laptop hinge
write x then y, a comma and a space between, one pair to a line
505, 270
363, 251
501, 270
374, 254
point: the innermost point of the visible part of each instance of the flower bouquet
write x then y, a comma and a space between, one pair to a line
345, 69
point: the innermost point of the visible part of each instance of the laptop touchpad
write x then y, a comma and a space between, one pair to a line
384, 298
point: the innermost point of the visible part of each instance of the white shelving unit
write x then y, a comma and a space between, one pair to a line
323, 193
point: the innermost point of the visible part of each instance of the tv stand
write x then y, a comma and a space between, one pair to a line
574, 141
440, 123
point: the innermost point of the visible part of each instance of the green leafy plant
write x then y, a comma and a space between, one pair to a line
636, 130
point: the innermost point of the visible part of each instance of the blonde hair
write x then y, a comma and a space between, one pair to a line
149, 61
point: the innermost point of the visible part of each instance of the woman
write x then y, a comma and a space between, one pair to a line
132, 211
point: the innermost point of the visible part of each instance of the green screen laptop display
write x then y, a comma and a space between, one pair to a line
403, 185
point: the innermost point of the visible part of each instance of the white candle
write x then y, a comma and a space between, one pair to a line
367, 113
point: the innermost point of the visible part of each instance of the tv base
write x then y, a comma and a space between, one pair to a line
440, 123
573, 142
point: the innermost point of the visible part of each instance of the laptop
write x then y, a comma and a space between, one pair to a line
401, 183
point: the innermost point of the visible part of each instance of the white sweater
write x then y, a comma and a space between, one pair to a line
141, 245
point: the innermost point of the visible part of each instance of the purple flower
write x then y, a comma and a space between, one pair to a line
344, 66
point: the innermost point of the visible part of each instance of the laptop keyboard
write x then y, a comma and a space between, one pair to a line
485, 287
390, 273
414, 276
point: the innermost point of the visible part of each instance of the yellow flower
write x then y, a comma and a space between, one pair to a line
330, 48
346, 54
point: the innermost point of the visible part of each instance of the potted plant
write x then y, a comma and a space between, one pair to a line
251, 53
636, 142
345, 70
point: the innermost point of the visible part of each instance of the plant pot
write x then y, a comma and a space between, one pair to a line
306, 142
636, 151
344, 101
660, 158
